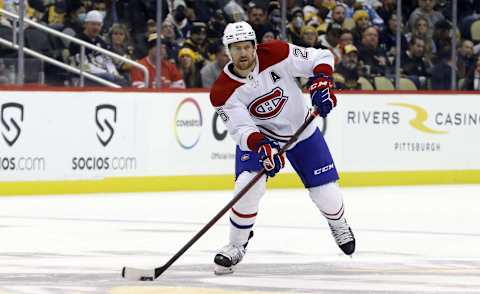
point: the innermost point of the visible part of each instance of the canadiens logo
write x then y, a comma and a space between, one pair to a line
269, 105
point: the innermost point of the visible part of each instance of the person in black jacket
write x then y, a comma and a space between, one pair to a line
95, 62
472, 81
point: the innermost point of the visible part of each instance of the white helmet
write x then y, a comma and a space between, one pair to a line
238, 32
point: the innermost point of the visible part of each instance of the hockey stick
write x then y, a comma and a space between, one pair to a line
150, 275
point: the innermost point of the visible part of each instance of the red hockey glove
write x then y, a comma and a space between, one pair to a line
322, 95
269, 157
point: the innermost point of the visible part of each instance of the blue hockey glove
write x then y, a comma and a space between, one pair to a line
322, 95
269, 157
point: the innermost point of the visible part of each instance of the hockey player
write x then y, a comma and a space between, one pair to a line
259, 101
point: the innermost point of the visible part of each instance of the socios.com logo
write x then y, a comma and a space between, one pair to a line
420, 118
11, 117
105, 118
188, 123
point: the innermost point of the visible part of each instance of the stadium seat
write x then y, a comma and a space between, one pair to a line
365, 84
38, 40
6, 33
407, 84
382, 83
475, 30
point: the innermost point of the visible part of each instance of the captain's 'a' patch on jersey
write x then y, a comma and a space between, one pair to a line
275, 77
268, 105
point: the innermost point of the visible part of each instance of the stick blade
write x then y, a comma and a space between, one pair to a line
135, 274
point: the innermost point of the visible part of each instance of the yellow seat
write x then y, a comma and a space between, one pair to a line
407, 84
382, 83
365, 84
475, 30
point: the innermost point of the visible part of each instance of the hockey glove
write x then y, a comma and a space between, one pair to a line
322, 95
269, 157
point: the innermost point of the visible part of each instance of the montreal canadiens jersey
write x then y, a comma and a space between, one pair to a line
269, 100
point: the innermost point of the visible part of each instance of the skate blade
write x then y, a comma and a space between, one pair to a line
221, 270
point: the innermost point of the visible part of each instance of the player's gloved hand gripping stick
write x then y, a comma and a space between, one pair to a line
321, 92
151, 274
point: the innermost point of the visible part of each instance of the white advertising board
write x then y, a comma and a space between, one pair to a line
90, 135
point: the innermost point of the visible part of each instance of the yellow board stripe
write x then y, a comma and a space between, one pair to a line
225, 182
181, 290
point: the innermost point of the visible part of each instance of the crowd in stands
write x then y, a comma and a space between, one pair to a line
360, 33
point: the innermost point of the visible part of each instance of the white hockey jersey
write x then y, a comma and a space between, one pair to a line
268, 100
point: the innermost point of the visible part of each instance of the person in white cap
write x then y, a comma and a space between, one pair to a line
96, 63
261, 105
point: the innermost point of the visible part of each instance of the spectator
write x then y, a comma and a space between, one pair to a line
178, 17
374, 59
346, 38
338, 14
348, 67
422, 30
96, 63
73, 24
170, 76
169, 35
426, 9
374, 18
310, 37
466, 58
216, 26
257, 18
387, 8
235, 11
472, 81
414, 63
362, 21
268, 36
294, 28
332, 37
212, 70
318, 8
190, 68
442, 35
442, 70
275, 15
198, 41
120, 43
388, 37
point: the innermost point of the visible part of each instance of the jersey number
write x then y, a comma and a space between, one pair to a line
300, 53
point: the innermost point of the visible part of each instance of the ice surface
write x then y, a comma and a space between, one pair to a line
409, 240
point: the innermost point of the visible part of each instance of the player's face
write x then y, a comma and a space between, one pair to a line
243, 54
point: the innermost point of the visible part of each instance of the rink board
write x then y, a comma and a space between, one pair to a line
110, 141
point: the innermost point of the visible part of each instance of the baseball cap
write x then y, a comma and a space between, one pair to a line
198, 27
350, 48
94, 16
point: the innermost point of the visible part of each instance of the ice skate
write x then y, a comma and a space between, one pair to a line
343, 235
229, 256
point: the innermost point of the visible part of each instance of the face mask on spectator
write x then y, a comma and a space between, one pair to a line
81, 17
298, 22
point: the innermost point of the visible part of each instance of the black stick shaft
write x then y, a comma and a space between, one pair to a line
160, 270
